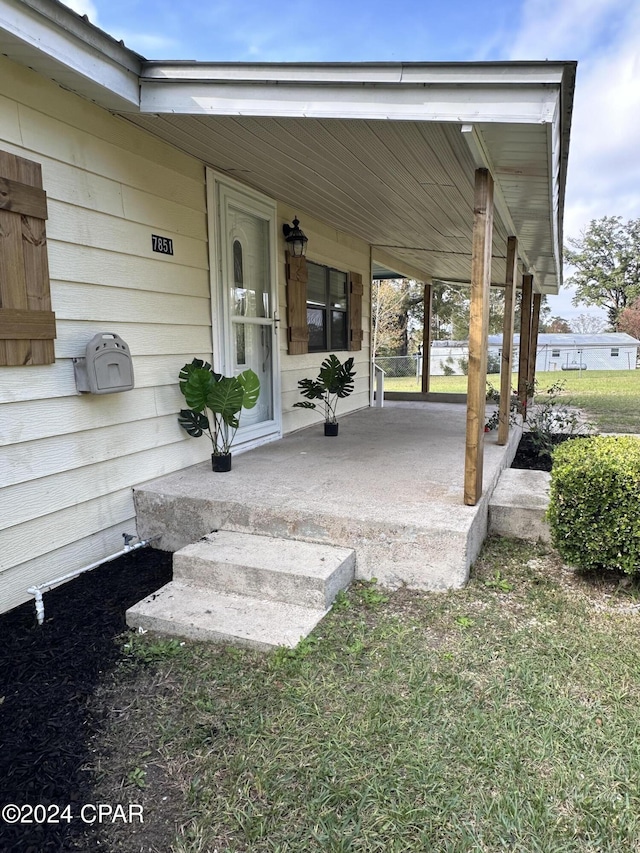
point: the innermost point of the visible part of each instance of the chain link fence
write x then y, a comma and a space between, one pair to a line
450, 358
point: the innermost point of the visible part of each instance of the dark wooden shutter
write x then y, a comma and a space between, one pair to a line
297, 327
27, 324
355, 311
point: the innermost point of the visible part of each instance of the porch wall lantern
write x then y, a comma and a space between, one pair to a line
295, 239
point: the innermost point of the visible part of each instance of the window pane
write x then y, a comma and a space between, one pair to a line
338, 330
317, 331
316, 284
338, 289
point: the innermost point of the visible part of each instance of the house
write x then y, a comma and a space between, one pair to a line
147, 199
562, 352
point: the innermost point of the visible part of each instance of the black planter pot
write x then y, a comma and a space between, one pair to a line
330, 429
221, 463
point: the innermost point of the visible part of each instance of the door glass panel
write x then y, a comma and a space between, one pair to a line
239, 292
250, 295
249, 325
241, 349
257, 354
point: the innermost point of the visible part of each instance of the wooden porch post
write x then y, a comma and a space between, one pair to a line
478, 335
533, 344
525, 342
507, 340
426, 339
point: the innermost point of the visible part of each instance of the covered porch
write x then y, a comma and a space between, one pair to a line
389, 487
444, 172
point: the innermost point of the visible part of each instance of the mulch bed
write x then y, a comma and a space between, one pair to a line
49, 675
527, 453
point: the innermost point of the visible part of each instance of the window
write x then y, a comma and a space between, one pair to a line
615, 352
327, 313
555, 353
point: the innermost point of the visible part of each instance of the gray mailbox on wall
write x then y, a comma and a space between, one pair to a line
107, 367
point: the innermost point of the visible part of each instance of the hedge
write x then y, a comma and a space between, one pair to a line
594, 509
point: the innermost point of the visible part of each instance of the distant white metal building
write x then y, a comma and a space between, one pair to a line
562, 352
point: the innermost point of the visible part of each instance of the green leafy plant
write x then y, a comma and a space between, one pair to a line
493, 396
550, 417
371, 595
594, 507
137, 777
215, 403
333, 383
341, 601
150, 651
499, 583
284, 655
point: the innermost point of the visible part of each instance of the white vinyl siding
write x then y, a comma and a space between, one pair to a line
334, 249
70, 462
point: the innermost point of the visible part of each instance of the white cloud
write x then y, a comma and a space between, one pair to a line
604, 167
562, 29
604, 36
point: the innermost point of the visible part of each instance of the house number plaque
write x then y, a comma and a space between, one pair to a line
164, 245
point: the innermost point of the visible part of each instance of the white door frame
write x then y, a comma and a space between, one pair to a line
220, 187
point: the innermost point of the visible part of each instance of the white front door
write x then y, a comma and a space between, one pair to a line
246, 299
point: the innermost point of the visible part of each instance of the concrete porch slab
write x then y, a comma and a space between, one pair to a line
389, 486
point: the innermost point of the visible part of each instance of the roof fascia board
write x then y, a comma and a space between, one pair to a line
506, 73
523, 105
554, 146
60, 44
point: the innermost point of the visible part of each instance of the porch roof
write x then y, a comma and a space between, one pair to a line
384, 151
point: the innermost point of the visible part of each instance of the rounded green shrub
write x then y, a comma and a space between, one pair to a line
594, 509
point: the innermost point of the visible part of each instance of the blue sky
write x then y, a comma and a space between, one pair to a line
603, 35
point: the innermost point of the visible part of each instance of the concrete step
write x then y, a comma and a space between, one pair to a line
518, 505
184, 610
265, 567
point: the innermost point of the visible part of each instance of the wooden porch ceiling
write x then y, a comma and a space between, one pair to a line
405, 187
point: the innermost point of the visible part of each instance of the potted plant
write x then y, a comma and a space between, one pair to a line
334, 382
215, 403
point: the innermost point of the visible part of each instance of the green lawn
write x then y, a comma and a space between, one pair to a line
611, 398
503, 716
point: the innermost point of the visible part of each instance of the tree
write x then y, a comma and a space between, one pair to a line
389, 319
556, 325
606, 258
587, 324
630, 320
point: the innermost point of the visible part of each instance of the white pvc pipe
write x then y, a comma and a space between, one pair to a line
37, 591
379, 373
